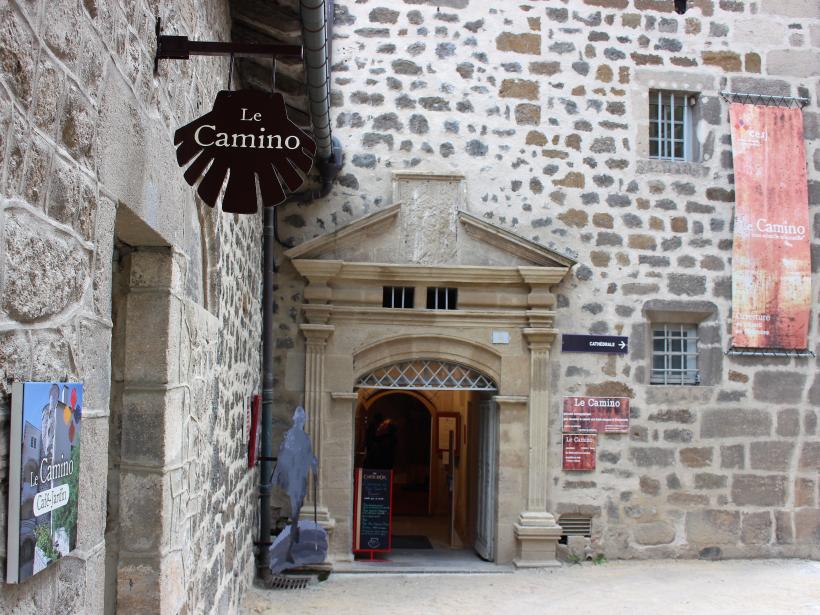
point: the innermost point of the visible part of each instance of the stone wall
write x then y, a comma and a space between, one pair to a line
544, 107
86, 159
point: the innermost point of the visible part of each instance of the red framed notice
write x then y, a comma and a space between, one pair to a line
253, 432
595, 415
372, 511
579, 452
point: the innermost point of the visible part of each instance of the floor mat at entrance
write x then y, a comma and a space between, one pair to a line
410, 542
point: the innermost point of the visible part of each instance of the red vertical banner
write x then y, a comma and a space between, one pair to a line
771, 258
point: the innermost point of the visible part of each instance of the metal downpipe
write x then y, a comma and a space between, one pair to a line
316, 16
266, 435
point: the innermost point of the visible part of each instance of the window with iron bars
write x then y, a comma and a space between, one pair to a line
670, 125
675, 354
397, 296
442, 298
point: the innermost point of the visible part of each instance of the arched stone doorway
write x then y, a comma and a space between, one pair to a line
444, 491
501, 326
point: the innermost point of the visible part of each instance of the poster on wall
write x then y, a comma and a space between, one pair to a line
771, 260
44, 475
579, 451
595, 415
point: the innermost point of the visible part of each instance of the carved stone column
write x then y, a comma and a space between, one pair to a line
537, 532
340, 425
316, 337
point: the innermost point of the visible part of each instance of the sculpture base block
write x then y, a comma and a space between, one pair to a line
537, 536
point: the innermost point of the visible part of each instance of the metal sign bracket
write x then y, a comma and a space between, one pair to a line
173, 47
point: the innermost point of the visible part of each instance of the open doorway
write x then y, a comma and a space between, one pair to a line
443, 493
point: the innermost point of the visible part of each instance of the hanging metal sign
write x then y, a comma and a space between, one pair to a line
247, 137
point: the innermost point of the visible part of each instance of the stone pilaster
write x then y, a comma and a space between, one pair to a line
316, 337
536, 531
337, 472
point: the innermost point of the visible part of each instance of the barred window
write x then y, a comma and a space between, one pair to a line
397, 296
675, 354
670, 125
442, 298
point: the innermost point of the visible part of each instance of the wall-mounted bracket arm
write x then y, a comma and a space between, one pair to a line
172, 47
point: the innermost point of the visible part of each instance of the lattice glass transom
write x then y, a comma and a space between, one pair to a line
427, 374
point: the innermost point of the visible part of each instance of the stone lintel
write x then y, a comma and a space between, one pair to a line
442, 274
540, 338
511, 400
317, 333
540, 318
317, 313
541, 277
317, 272
426, 175
537, 519
344, 395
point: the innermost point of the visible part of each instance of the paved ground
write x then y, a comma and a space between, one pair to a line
764, 587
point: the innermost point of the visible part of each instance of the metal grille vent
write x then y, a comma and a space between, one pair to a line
575, 525
427, 374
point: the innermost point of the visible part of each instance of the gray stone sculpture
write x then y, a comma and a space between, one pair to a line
303, 542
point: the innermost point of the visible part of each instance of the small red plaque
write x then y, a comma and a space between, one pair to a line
253, 432
595, 415
580, 451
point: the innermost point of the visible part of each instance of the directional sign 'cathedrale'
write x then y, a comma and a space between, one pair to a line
615, 344
248, 137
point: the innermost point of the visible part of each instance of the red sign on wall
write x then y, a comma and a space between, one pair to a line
580, 451
595, 415
771, 254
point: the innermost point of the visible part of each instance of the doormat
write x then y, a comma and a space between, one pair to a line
410, 542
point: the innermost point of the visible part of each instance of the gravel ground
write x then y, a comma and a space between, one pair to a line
750, 587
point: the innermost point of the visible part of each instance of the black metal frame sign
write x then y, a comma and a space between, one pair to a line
373, 511
247, 137
614, 344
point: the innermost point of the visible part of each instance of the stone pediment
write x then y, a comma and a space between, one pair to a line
391, 236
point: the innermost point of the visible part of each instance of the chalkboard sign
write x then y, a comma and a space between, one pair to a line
372, 514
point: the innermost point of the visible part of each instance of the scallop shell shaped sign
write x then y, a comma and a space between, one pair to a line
247, 137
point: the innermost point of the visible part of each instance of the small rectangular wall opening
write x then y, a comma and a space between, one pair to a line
574, 525
398, 296
442, 298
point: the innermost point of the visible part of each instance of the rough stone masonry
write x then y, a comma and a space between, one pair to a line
113, 274
543, 106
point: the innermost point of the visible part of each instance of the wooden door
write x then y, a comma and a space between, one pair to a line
487, 483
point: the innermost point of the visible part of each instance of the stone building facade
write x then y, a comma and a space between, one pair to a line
541, 109
113, 274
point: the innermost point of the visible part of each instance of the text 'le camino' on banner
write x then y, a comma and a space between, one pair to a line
771, 259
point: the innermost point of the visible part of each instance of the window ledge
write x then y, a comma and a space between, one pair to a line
677, 393
671, 167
